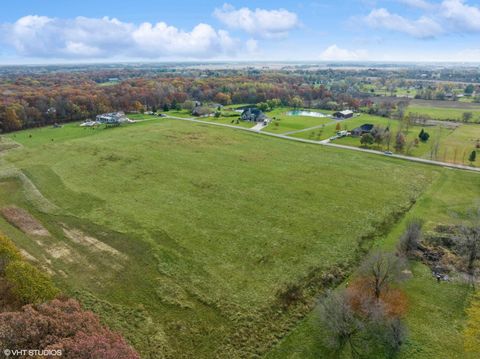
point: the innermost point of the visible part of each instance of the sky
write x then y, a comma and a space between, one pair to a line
51, 31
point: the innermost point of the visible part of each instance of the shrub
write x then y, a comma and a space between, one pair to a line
8, 253
473, 156
62, 325
28, 284
423, 135
366, 139
289, 295
106, 345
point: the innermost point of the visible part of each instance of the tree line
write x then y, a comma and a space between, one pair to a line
42, 99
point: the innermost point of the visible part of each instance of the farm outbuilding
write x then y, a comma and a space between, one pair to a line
343, 114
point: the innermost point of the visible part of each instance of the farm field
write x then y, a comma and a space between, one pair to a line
384, 91
176, 233
445, 110
436, 316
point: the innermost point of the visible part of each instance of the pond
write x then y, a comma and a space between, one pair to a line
306, 113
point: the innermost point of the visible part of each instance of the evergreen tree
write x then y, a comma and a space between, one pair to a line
473, 156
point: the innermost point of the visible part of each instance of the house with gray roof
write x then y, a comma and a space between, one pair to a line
253, 115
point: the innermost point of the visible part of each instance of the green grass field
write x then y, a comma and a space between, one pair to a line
436, 315
330, 129
180, 235
455, 144
286, 123
227, 117
453, 113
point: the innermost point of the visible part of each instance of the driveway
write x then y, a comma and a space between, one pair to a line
258, 127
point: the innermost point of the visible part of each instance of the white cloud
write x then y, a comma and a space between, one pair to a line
81, 37
335, 53
420, 4
461, 16
424, 27
260, 22
202, 41
445, 17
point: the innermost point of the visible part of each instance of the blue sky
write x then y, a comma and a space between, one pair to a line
148, 30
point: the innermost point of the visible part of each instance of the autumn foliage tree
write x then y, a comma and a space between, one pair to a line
11, 121
29, 284
64, 325
223, 98
352, 320
380, 270
400, 141
8, 253
362, 298
368, 313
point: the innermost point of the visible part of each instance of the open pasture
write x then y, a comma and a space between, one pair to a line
187, 234
445, 110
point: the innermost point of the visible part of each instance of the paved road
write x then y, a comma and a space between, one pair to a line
329, 144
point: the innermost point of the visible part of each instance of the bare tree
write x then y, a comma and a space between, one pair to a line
340, 324
468, 242
392, 332
410, 239
381, 269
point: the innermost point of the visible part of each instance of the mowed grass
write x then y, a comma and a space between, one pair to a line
454, 144
286, 123
436, 312
330, 129
227, 117
210, 224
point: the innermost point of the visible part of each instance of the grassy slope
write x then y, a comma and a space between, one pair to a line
201, 214
436, 311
